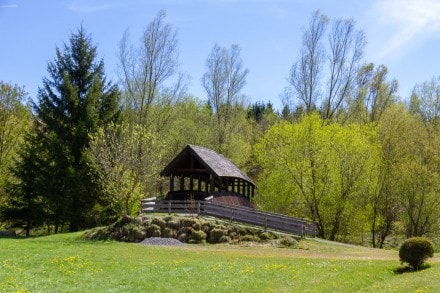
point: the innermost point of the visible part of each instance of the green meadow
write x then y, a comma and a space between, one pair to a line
66, 263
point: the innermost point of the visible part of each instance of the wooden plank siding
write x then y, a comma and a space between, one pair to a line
251, 216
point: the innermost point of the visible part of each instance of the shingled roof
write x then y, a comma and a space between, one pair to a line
215, 163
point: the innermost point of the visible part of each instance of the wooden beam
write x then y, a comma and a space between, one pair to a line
182, 182
191, 170
212, 184
171, 182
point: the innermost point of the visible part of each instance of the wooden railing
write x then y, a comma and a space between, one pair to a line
251, 216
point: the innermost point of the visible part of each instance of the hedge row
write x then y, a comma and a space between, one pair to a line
184, 229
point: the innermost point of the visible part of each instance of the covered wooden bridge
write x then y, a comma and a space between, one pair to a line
199, 173
204, 182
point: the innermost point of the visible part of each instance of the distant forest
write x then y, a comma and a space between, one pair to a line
344, 150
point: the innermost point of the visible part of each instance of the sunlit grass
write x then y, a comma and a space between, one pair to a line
65, 263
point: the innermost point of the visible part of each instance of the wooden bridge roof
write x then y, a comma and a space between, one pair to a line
208, 159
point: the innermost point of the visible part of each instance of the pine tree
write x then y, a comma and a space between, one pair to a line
24, 207
72, 104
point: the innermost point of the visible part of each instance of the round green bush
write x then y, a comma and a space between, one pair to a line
174, 224
216, 234
169, 233
198, 236
224, 239
415, 251
159, 222
288, 241
266, 236
153, 231
188, 222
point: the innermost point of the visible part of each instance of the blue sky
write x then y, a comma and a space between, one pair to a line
404, 35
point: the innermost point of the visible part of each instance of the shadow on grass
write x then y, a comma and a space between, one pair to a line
408, 269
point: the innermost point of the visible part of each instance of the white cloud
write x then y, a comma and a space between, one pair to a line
410, 22
89, 6
9, 6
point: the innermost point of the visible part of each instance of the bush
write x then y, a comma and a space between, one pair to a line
246, 238
182, 237
288, 242
169, 233
188, 222
266, 236
139, 234
100, 233
415, 251
206, 227
159, 222
197, 226
216, 234
153, 231
224, 239
198, 236
174, 224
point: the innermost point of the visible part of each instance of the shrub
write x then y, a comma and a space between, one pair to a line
174, 224
188, 222
153, 231
139, 234
233, 235
168, 218
198, 236
182, 237
197, 226
101, 233
169, 233
128, 220
205, 227
415, 251
159, 222
247, 238
288, 242
224, 239
216, 234
266, 236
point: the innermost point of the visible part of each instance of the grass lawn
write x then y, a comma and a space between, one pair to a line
65, 263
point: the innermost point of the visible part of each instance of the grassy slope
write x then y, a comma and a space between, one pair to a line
65, 263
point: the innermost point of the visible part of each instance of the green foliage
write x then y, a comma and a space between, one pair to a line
189, 230
159, 222
125, 172
24, 207
169, 233
415, 251
153, 231
198, 236
17, 208
288, 242
328, 168
15, 121
266, 236
248, 237
174, 223
216, 234
73, 103
224, 239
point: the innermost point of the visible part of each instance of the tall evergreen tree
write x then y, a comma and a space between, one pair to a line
74, 102
24, 207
